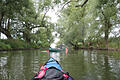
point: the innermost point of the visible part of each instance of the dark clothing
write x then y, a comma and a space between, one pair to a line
53, 74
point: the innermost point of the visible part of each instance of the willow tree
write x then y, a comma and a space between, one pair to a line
98, 17
102, 19
106, 16
74, 25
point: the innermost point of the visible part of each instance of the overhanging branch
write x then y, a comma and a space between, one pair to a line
82, 4
68, 3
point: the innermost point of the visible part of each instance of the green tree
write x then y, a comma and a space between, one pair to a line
91, 22
107, 17
74, 25
19, 18
9, 9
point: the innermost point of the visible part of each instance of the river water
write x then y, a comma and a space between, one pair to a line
81, 64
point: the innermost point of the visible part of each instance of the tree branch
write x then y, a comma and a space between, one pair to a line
44, 16
82, 4
68, 3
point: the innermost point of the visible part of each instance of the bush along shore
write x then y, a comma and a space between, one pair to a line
93, 48
13, 44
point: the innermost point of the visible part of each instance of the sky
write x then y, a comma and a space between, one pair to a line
2, 36
53, 14
56, 39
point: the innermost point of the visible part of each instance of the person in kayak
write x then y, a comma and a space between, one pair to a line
52, 71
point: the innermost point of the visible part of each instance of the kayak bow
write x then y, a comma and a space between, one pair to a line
52, 70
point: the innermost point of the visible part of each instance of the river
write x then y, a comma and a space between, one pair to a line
81, 64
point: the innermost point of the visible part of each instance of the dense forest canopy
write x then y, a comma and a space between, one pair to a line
82, 23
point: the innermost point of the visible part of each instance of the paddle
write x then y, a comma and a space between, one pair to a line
66, 51
46, 51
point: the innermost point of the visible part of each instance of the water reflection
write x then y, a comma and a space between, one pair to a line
55, 55
82, 64
59, 56
3, 61
92, 65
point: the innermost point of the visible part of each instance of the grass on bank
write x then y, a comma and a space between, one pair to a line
16, 44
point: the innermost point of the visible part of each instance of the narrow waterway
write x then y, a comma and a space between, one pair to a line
82, 64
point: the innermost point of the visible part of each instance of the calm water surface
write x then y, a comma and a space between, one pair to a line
82, 64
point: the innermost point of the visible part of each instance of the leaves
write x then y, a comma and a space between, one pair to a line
79, 21
95, 20
24, 16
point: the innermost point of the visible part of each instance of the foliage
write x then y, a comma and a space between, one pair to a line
15, 44
43, 37
4, 46
90, 25
74, 26
19, 18
82, 23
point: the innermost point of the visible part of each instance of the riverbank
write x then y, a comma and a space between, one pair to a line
91, 48
17, 49
110, 49
16, 44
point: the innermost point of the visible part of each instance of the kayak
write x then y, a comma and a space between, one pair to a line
58, 50
52, 70
54, 50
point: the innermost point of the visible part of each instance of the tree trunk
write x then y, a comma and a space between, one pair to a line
26, 32
107, 27
75, 46
106, 38
26, 36
5, 30
107, 31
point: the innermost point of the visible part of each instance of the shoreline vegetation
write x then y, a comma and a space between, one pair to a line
78, 24
17, 49
110, 49
15, 45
